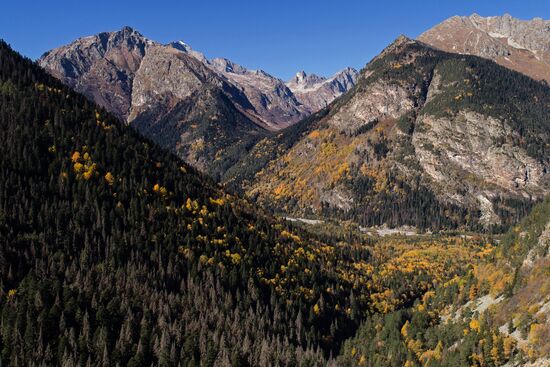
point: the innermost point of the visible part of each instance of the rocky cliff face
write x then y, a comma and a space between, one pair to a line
468, 159
273, 101
317, 92
521, 45
421, 129
102, 67
167, 75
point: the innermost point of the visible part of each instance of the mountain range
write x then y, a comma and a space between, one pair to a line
110, 68
163, 91
218, 115
139, 183
413, 130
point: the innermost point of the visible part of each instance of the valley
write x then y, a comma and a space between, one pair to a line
162, 208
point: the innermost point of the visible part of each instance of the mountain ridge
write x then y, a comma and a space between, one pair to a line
273, 102
521, 45
396, 121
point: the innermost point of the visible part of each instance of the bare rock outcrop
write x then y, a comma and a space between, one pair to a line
101, 67
316, 92
521, 45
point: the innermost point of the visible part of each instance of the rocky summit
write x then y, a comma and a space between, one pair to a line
101, 67
317, 92
521, 45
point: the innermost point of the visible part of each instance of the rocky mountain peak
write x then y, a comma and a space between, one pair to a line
128, 31
301, 77
127, 28
521, 45
126, 37
348, 70
401, 39
184, 47
396, 46
318, 91
224, 65
345, 79
348, 73
302, 80
101, 66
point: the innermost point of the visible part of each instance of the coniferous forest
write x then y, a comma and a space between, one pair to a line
116, 252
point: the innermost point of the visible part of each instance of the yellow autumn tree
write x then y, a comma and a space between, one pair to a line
474, 325
535, 333
78, 167
405, 329
90, 170
508, 346
473, 293
316, 309
87, 175
109, 178
75, 157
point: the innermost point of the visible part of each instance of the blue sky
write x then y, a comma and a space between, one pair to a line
278, 36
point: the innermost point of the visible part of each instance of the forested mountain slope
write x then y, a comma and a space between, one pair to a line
116, 252
425, 138
496, 315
